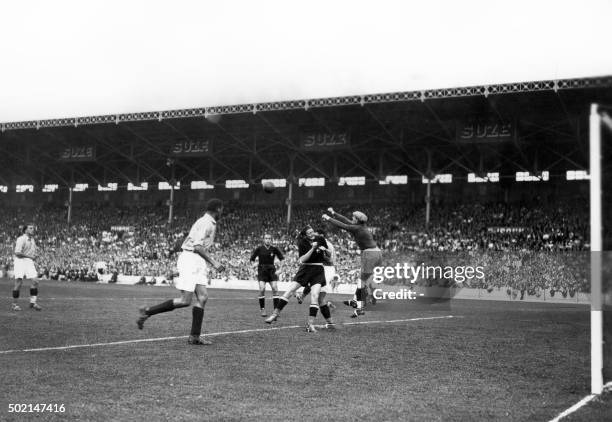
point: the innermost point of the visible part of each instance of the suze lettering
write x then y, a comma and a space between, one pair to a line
318, 140
77, 152
477, 131
190, 147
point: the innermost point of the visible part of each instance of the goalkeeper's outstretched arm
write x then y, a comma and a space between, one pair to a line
339, 217
348, 227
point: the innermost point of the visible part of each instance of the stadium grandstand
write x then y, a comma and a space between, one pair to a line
494, 176
317, 211
483, 168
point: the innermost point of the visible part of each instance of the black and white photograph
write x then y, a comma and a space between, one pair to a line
305, 211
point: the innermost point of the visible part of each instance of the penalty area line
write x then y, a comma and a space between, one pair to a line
220, 333
580, 404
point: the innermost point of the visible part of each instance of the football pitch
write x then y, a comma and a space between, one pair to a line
463, 361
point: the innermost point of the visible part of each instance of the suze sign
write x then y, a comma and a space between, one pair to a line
84, 153
325, 141
191, 148
485, 132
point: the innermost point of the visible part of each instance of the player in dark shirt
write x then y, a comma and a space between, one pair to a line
313, 252
371, 255
266, 271
330, 275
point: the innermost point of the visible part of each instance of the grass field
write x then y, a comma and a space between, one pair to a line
470, 361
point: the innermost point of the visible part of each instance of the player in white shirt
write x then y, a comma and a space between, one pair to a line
193, 272
25, 254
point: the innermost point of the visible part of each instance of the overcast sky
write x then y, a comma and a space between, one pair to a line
65, 58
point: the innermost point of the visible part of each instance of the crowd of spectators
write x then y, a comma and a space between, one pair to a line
139, 240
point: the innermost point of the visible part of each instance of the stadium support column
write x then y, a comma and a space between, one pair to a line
171, 201
596, 252
69, 205
428, 203
290, 190
171, 204
428, 190
289, 201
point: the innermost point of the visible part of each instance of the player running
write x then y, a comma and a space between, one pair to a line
312, 250
371, 255
266, 271
193, 272
25, 254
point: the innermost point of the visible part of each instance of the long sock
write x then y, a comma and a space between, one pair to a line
306, 291
166, 306
197, 315
275, 301
33, 294
325, 312
359, 293
282, 302
262, 302
314, 309
15, 294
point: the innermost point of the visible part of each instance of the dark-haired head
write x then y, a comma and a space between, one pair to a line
304, 231
214, 207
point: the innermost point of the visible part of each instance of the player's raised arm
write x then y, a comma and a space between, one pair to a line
339, 217
346, 226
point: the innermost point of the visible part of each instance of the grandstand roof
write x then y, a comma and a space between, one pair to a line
533, 126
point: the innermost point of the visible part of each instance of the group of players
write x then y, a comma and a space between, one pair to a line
315, 273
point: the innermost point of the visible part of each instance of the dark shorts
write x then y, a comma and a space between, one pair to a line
309, 275
369, 261
267, 274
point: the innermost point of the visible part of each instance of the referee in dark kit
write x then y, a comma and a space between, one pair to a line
266, 271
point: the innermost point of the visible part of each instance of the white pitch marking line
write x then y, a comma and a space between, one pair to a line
140, 298
398, 320
580, 404
144, 340
221, 333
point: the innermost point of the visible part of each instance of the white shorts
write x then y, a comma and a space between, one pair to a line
24, 268
192, 270
330, 273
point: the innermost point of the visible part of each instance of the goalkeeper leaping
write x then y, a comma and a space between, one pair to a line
371, 256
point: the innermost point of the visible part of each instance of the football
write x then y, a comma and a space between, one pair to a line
268, 187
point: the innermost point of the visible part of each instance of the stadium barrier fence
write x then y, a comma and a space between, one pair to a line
498, 294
